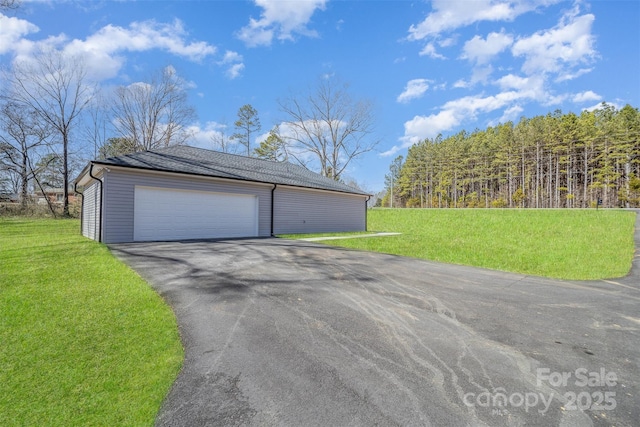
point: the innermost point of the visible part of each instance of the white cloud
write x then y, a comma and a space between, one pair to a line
531, 87
280, 19
510, 114
481, 74
572, 75
461, 84
598, 106
448, 15
552, 99
234, 62
586, 96
231, 56
454, 113
143, 86
469, 106
292, 133
203, 137
103, 51
450, 41
414, 89
12, 30
511, 81
143, 36
234, 71
391, 151
551, 55
421, 127
568, 44
481, 50
430, 50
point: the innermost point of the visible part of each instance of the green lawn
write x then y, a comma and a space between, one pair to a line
567, 244
84, 340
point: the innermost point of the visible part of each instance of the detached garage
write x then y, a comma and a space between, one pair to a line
168, 214
181, 193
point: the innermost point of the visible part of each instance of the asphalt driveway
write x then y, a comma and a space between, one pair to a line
281, 332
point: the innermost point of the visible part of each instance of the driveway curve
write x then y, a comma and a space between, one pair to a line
280, 332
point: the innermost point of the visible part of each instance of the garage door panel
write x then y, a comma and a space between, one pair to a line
169, 214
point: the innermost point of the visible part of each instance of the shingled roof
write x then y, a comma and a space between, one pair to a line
201, 162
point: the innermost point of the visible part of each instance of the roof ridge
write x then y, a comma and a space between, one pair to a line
204, 162
241, 156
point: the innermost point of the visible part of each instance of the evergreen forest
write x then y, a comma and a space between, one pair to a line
552, 161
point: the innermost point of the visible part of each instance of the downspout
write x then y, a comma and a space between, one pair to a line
272, 203
75, 189
365, 212
101, 198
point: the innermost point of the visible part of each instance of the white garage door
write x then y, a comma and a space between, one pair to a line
169, 214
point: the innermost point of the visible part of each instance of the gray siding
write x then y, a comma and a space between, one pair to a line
119, 198
307, 211
91, 211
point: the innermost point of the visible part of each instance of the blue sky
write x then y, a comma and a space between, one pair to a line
427, 67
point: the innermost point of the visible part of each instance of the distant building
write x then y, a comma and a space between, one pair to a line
9, 198
55, 196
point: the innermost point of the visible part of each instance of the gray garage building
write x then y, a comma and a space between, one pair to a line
182, 192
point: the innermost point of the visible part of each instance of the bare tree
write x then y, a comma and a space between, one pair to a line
48, 174
21, 133
221, 140
9, 181
9, 4
154, 114
97, 125
328, 124
54, 85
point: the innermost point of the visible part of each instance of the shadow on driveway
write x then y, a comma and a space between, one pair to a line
281, 332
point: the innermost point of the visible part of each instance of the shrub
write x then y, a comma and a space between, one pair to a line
499, 203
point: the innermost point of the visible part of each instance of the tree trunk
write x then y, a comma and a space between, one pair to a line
538, 166
585, 200
549, 188
607, 174
627, 173
522, 183
24, 175
65, 175
455, 189
569, 188
509, 182
558, 182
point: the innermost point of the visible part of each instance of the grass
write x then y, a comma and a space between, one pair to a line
84, 340
566, 244
305, 236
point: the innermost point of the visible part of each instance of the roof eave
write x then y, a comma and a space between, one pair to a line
151, 169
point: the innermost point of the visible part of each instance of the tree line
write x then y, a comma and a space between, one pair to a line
323, 129
54, 118
549, 161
